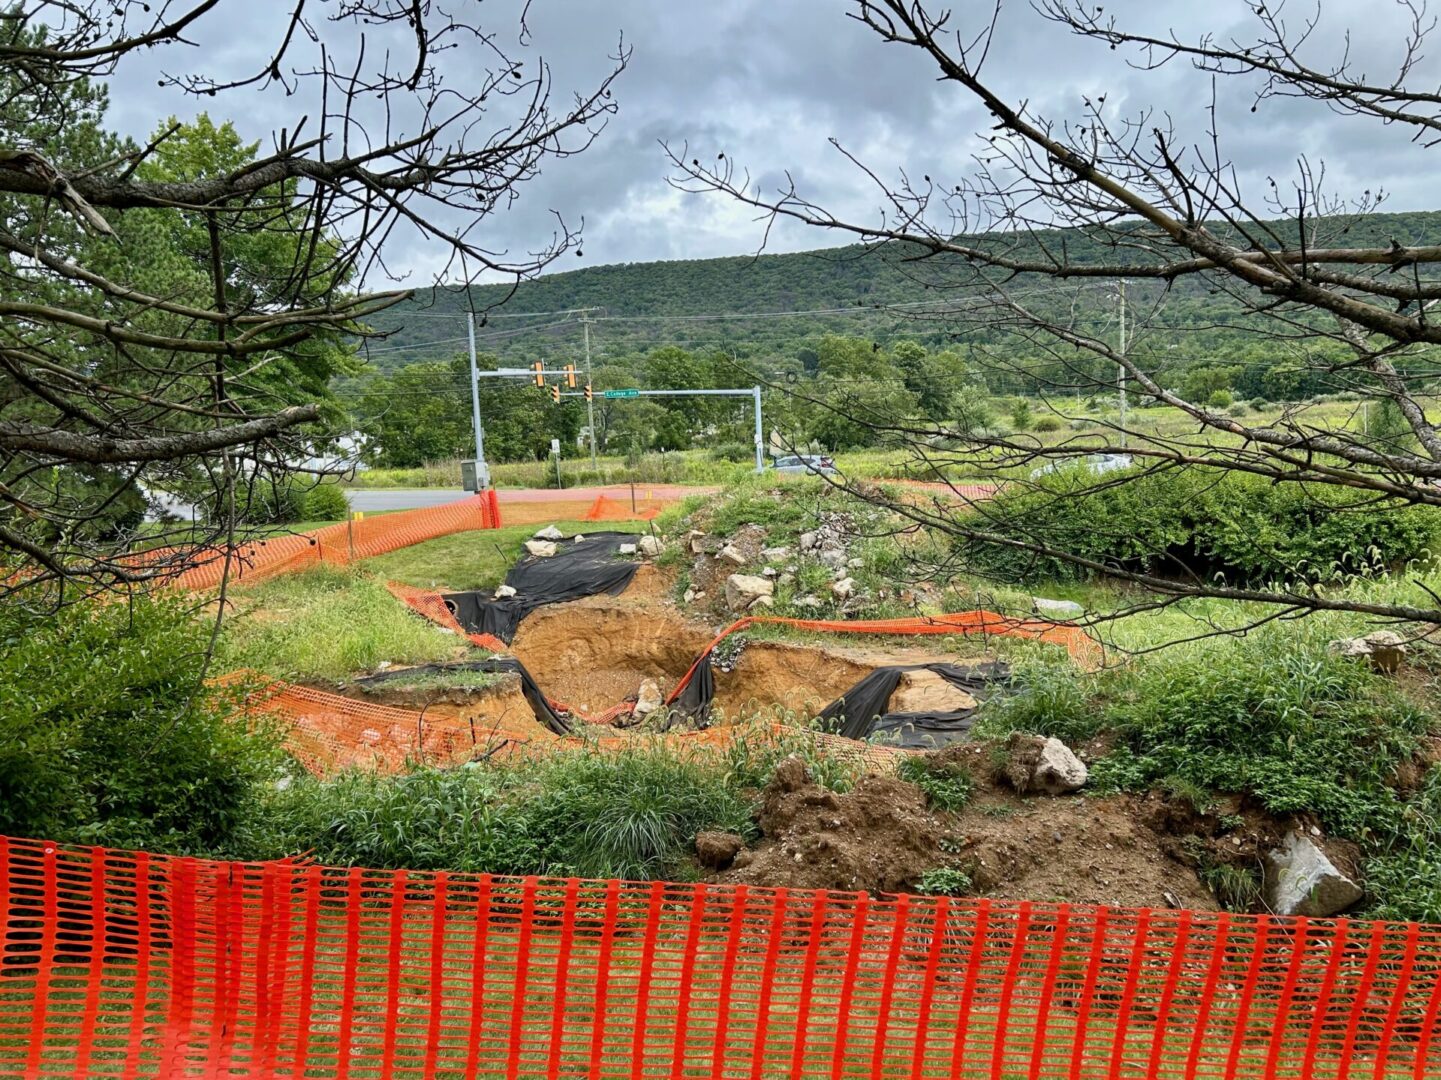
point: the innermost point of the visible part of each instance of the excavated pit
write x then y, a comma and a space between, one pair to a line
595, 652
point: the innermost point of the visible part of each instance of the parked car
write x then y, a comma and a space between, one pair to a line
806, 463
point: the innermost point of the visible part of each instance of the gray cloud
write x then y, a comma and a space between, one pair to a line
769, 81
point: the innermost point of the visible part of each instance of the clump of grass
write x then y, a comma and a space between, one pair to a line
945, 784
1236, 888
945, 881
751, 759
326, 623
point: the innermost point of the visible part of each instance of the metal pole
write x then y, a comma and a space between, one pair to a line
760, 458
482, 473
590, 401
1121, 368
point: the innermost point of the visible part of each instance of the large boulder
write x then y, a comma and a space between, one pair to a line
650, 546
743, 590
1301, 880
1036, 763
540, 549
550, 532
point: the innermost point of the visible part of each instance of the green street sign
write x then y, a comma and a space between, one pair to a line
620, 393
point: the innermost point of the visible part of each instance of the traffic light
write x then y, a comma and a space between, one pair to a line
539, 368
570, 376
589, 392
555, 393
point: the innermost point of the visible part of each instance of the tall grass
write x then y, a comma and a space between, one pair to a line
326, 623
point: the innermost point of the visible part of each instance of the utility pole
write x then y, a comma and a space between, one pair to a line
482, 473
1121, 368
589, 401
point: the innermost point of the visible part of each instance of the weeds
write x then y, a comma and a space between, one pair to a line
946, 785
1237, 888
945, 881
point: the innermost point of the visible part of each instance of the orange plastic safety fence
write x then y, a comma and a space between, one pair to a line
606, 508
337, 544
123, 964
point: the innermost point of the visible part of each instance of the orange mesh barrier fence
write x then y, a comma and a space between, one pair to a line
124, 964
428, 603
339, 544
329, 733
606, 508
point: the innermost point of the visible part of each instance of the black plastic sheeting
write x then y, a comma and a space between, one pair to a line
576, 570
860, 713
498, 665
693, 702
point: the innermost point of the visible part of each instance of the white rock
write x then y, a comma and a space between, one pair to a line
835, 558
626, 549
576, 539
1056, 609
808, 602
856, 564
503, 592
844, 589
1385, 649
743, 589
541, 549
732, 554
384, 665
808, 541
786, 578
689, 596
1301, 880
650, 546
770, 571
1058, 770
550, 532
761, 602
649, 699
775, 554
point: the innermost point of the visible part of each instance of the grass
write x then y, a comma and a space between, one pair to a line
326, 623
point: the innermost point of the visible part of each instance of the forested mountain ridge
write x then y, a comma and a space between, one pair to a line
664, 298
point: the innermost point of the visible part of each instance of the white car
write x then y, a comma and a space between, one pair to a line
1097, 463
806, 463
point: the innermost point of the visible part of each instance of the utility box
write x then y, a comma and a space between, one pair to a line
467, 476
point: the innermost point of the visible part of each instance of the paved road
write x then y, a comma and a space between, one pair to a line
410, 498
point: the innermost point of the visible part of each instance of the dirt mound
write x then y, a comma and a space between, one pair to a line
492, 713
878, 838
882, 837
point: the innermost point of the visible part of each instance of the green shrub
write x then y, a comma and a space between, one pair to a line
633, 815
1219, 399
1201, 521
1046, 424
325, 502
108, 735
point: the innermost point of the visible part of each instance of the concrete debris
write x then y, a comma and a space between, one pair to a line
550, 532
732, 554
1301, 880
541, 549
742, 590
649, 699
626, 549
504, 592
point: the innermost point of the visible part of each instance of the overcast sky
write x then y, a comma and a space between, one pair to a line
770, 81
